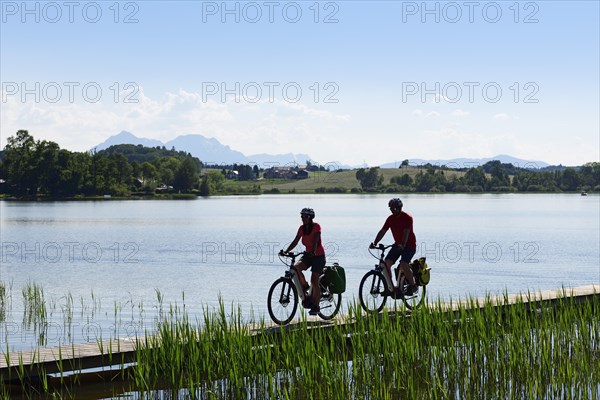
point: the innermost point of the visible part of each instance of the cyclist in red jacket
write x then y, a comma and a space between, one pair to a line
405, 243
310, 233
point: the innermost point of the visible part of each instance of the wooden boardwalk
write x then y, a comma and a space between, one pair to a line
80, 357
71, 358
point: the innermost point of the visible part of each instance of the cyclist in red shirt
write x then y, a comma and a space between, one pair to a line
310, 233
405, 242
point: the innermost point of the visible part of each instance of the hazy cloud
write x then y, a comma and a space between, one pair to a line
460, 113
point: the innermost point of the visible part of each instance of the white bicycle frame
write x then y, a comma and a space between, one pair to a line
293, 275
388, 279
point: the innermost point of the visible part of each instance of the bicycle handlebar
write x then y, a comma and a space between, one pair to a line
290, 254
380, 247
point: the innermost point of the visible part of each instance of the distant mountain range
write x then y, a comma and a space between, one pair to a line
473, 162
211, 151
208, 150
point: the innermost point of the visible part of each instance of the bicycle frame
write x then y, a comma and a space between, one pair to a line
286, 293
377, 285
292, 274
380, 266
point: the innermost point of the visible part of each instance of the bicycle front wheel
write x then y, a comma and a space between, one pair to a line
372, 291
282, 301
414, 300
330, 303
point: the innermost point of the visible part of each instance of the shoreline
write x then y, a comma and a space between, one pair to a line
193, 196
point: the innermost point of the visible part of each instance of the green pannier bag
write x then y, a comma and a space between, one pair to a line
335, 277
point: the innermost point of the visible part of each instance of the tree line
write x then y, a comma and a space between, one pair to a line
33, 168
493, 176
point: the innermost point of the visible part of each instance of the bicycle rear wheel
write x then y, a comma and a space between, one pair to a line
282, 301
414, 300
330, 302
372, 291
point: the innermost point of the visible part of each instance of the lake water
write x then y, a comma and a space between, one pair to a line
102, 263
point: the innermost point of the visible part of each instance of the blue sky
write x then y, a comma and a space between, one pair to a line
350, 81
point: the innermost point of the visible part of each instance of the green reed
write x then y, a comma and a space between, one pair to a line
5, 300
480, 350
35, 311
485, 349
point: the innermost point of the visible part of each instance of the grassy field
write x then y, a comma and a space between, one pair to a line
340, 179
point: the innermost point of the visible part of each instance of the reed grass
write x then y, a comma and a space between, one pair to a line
35, 311
484, 349
5, 300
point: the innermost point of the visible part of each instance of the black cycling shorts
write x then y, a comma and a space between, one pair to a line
315, 263
405, 254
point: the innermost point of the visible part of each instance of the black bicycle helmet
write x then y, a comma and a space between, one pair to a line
308, 211
395, 203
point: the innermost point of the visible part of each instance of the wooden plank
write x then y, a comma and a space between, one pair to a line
72, 358
578, 293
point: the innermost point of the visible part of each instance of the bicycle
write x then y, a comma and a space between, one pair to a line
286, 292
376, 286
